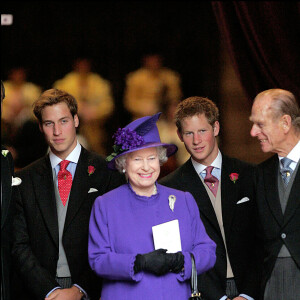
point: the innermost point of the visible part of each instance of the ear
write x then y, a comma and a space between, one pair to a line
76, 120
179, 135
286, 123
216, 128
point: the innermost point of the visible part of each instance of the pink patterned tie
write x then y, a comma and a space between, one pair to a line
211, 181
64, 181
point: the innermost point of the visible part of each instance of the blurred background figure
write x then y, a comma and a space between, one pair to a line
95, 102
19, 129
168, 132
150, 87
20, 95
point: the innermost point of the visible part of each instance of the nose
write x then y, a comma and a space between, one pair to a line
56, 129
197, 139
254, 130
146, 165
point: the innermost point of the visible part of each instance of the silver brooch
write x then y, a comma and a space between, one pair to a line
172, 200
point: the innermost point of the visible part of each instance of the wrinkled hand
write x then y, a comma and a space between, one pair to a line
65, 294
156, 262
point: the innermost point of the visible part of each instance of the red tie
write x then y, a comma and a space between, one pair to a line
211, 181
64, 181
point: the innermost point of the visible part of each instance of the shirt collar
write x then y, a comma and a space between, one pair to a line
72, 157
217, 163
294, 154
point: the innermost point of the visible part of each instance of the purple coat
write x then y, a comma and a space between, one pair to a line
121, 227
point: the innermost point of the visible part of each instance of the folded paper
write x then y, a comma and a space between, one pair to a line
167, 236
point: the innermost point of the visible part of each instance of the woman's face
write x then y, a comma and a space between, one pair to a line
143, 168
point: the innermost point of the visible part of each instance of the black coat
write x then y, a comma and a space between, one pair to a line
240, 225
7, 206
35, 247
278, 228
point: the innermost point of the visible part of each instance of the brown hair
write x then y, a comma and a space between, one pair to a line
196, 106
51, 97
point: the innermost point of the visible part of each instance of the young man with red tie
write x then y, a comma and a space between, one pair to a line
223, 188
52, 216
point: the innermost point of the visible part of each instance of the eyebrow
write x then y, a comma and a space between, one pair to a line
66, 117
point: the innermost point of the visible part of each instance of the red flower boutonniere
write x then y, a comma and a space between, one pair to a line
234, 177
91, 170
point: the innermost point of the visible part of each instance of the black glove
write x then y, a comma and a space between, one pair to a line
157, 262
176, 262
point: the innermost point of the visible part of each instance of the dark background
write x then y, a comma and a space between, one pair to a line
227, 51
46, 37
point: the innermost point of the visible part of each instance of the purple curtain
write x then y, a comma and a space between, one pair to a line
263, 42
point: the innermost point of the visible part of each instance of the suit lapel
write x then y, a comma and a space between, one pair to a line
294, 199
270, 180
5, 188
79, 190
194, 185
44, 187
228, 192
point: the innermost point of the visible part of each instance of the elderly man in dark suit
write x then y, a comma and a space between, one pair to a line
8, 187
276, 123
224, 190
50, 249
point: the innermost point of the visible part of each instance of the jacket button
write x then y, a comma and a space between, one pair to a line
283, 235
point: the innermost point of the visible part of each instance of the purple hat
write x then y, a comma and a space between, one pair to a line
140, 134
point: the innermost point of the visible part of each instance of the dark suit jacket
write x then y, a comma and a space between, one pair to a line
35, 247
239, 225
278, 229
7, 171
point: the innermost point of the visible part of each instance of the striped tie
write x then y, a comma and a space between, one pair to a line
286, 171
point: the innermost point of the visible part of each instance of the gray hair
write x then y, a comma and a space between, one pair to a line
283, 103
120, 161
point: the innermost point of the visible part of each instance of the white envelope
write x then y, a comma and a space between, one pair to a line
167, 236
91, 190
245, 199
16, 181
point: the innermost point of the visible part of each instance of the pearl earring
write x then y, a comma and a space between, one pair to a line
124, 171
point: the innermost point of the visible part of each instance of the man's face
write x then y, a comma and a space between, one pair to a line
268, 131
59, 128
199, 138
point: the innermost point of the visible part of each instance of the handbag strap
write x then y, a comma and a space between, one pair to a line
194, 285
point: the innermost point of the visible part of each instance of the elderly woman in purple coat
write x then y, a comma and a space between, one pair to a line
121, 236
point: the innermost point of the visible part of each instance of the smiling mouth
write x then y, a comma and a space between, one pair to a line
146, 175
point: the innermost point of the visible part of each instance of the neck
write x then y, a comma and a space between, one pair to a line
288, 145
147, 192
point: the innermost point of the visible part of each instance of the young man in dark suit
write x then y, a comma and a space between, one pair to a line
50, 249
276, 123
223, 188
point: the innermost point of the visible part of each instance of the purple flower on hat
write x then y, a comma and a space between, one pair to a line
128, 139
125, 139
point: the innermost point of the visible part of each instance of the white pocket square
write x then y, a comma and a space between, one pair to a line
16, 181
91, 190
245, 199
